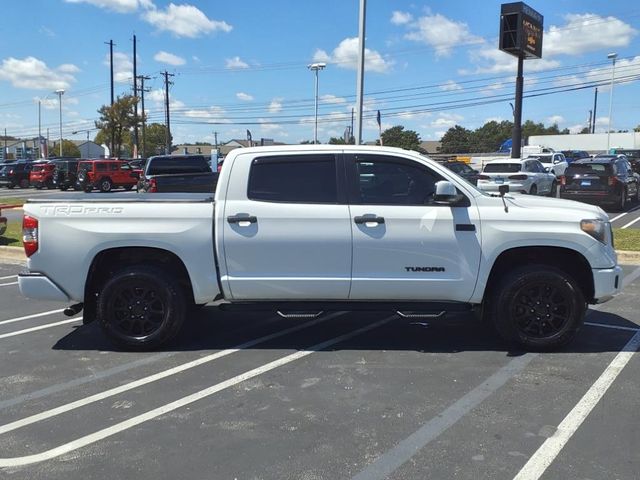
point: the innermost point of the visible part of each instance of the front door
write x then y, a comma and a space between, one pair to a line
287, 234
405, 246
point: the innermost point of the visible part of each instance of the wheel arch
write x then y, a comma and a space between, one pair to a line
569, 261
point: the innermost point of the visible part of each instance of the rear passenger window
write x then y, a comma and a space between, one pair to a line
101, 167
294, 179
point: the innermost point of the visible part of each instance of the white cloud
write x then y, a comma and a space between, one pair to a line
440, 33
122, 67
587, 33
577, 128
120, 6
345, 55
450, 85
236, 64
492, 60
332, 99
213, 114
558, 119
244, 96
169, 58
276, 105
627, 70
446, 120
32, 73
156, 96
184, 21
401, 18
195, 58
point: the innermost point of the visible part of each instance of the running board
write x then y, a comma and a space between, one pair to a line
420, 314
432, 309
299, 314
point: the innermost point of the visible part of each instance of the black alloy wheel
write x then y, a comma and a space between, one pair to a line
141, 308
539, 307
105, 185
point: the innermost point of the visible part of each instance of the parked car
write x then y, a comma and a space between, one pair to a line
523, 176
554, 162
15, 174
603, 180
178, 173
105, 174
65, 173
322, 228
3, 222
41, 175
464, 170
137, 166
633, 155
573, 155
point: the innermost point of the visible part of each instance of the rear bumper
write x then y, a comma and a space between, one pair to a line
607, 283
5, 182
38, 286
590, 197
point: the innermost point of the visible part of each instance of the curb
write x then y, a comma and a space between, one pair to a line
628, 257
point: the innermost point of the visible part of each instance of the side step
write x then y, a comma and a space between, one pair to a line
299, 314
420, 314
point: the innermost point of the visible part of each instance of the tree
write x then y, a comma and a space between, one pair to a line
399, 137
155, 139
490, 136
116, 120
456, 140
69, 149
637, 129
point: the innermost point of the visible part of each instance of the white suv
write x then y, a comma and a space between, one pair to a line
522, 176
555, 163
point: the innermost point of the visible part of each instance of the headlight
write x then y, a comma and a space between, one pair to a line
598, 229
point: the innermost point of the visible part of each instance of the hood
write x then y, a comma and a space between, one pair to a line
555, 205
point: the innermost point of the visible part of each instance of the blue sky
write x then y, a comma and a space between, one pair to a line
243, 65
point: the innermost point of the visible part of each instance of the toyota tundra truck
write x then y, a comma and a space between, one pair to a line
318, 228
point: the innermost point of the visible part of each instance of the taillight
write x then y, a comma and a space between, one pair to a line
30, 235
11, 172
484, 177
153, 186
612, 181
518, 177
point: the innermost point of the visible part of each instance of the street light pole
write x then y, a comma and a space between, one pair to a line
315, 67
60, 92
612, 57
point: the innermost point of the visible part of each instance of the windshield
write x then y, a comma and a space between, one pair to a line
502, 167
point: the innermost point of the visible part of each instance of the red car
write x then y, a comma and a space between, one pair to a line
105, 174
41, 175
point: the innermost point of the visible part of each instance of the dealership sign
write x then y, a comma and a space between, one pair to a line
521, 30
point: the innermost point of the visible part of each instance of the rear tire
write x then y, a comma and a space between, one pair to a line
533, 190
622, 201
538, 307
105, 185
554, 188
141, 308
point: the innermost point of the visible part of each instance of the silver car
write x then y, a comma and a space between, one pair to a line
522, 176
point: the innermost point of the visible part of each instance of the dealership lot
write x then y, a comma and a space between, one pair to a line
349, 395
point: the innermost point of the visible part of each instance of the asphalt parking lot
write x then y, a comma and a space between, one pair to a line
344, 396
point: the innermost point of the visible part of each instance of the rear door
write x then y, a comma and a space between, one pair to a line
286, 228
405, 246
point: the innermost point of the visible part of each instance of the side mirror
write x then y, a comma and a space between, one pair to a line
547, 169
446, 193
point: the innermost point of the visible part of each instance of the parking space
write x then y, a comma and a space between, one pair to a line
628, 219
344, 395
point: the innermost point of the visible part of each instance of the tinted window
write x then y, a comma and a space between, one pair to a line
294, 178
101, 167
169, 165
588, 168
502, 167
383, 181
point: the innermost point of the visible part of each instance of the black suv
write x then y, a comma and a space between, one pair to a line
464, 170
65, 173
573, 155
15, 174
601, 180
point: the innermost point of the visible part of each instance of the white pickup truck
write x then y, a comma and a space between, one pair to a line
317, 228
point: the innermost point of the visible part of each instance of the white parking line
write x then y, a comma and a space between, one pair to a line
625, 213
8, 277
155, 377
27, 317
546, 454
631, 223
7, 284
614, 327
207, 392
41, 327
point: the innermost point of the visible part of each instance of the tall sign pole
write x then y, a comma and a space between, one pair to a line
360, 79
521, 30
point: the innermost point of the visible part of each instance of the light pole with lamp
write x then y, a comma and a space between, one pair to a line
315, 67
80, 131
60, 92
612, 57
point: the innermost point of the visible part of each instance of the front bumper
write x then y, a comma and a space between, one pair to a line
607, 282
5, 182
38, 286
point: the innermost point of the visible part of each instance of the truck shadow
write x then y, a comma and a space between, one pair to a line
210, 329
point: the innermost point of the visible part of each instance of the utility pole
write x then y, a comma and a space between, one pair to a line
360, 79
215, 136
135, 96
142, 78
595, 104
351, 131
167, 146
111, 44
516, 142
590, 118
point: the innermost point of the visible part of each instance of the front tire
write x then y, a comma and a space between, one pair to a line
105, 185
538, 307
141, 308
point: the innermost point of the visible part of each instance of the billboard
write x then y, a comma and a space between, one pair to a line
521, 29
